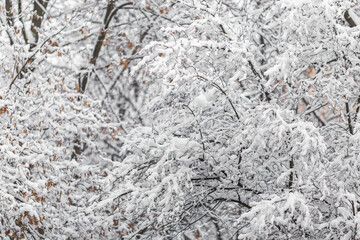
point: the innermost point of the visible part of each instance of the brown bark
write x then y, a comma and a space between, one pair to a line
110, 12
9, 13
39, 7
347, 108
9, 18
291, 177
349, 19
352, 24
22, 21
99, 42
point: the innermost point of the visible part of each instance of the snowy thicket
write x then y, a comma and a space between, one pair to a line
179, 119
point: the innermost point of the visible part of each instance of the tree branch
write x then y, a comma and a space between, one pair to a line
110, 12
37, 18
351, 129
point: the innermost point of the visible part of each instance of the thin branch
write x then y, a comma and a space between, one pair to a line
314, 113
9, 13
22, 21
31, 58
201, 135
314, 109
357, 109
347, 108
348, 18
267, 95
37, 18
234, 200
110, 12
291, 177
205, 178
113, 12
223, 92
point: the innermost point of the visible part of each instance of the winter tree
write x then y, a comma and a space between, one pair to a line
185, 119
251, 123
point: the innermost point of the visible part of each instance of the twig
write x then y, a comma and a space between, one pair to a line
33, 55
223, 92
